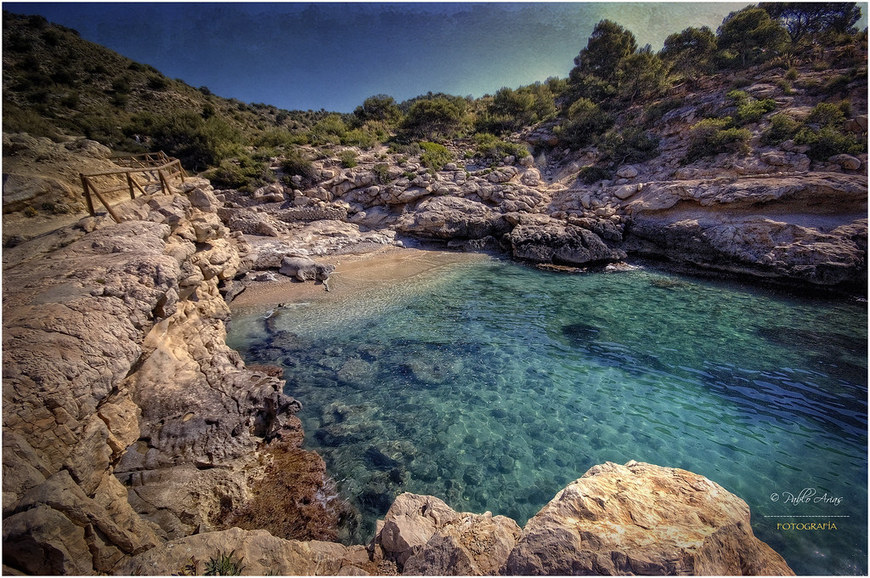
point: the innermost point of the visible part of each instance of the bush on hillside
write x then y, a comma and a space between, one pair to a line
434, 118
434, 156
586, 123
295, 163
491, 147
713, 136
749, 109
782, 128
243, 173
328, 131
347, 158
592, 174
829, 141
631, 145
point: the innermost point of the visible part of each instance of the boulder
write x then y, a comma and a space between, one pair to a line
424, 536
452, 217
846, 162
557, 242
626, 172
643, 519
305, 269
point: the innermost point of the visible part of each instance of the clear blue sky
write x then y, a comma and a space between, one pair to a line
335, 55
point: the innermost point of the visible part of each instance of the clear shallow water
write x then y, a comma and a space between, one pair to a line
492, 385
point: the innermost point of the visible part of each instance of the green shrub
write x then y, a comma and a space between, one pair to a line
586, 123
593, 174
434, 156
17, 119
782, 128
296, 164
243, 173
347, 158
829, 141
749, 109
224, 565
490, 146
329, 130
654, 112
382, 172
438, 117
826, 114
712, 136
360, 137
198, 143
632, 145
410, 150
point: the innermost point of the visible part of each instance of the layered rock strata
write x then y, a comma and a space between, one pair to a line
615, 520
126, 418
784, 219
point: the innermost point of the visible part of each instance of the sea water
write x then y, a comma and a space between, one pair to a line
492, 385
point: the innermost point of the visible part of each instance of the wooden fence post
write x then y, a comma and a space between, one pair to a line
88, 200
164, 186
130, 185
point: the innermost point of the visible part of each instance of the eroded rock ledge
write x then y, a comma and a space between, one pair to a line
127, 421
615, 520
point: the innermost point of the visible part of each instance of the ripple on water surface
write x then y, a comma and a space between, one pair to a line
492, 386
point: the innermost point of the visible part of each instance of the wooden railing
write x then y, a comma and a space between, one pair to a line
153, 167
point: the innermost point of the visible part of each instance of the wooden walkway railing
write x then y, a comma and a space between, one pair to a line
153, 167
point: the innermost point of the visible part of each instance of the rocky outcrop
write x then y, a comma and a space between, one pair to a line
451, 218
424, 536
550, 241
632, 519
811, 229
254, 553
104, 457
643, 519
38, 172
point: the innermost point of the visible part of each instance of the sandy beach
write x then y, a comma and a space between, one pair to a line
354, 274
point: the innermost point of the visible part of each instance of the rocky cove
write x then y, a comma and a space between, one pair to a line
136, 441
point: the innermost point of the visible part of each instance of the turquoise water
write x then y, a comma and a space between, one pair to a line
492, 385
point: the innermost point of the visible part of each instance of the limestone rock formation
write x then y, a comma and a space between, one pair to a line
452, 217
255, 552
104, 457
552, 241
809, 228
424, 536
643, 519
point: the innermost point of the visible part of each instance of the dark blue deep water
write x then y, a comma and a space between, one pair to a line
492, 385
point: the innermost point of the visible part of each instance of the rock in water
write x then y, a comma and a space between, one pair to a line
424, 536
643, 519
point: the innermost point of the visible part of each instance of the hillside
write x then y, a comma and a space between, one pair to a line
55, 83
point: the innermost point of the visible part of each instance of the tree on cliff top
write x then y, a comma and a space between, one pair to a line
691, 51
752, 36
608, 44
803, 19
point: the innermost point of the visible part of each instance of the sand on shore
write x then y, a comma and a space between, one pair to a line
354, 274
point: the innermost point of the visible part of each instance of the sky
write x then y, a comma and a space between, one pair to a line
312, 56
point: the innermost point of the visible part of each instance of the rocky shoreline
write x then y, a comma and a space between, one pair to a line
132, 434
131, 428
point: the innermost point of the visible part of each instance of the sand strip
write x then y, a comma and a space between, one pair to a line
354, 274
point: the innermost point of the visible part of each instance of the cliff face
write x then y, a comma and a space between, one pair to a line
126, 419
